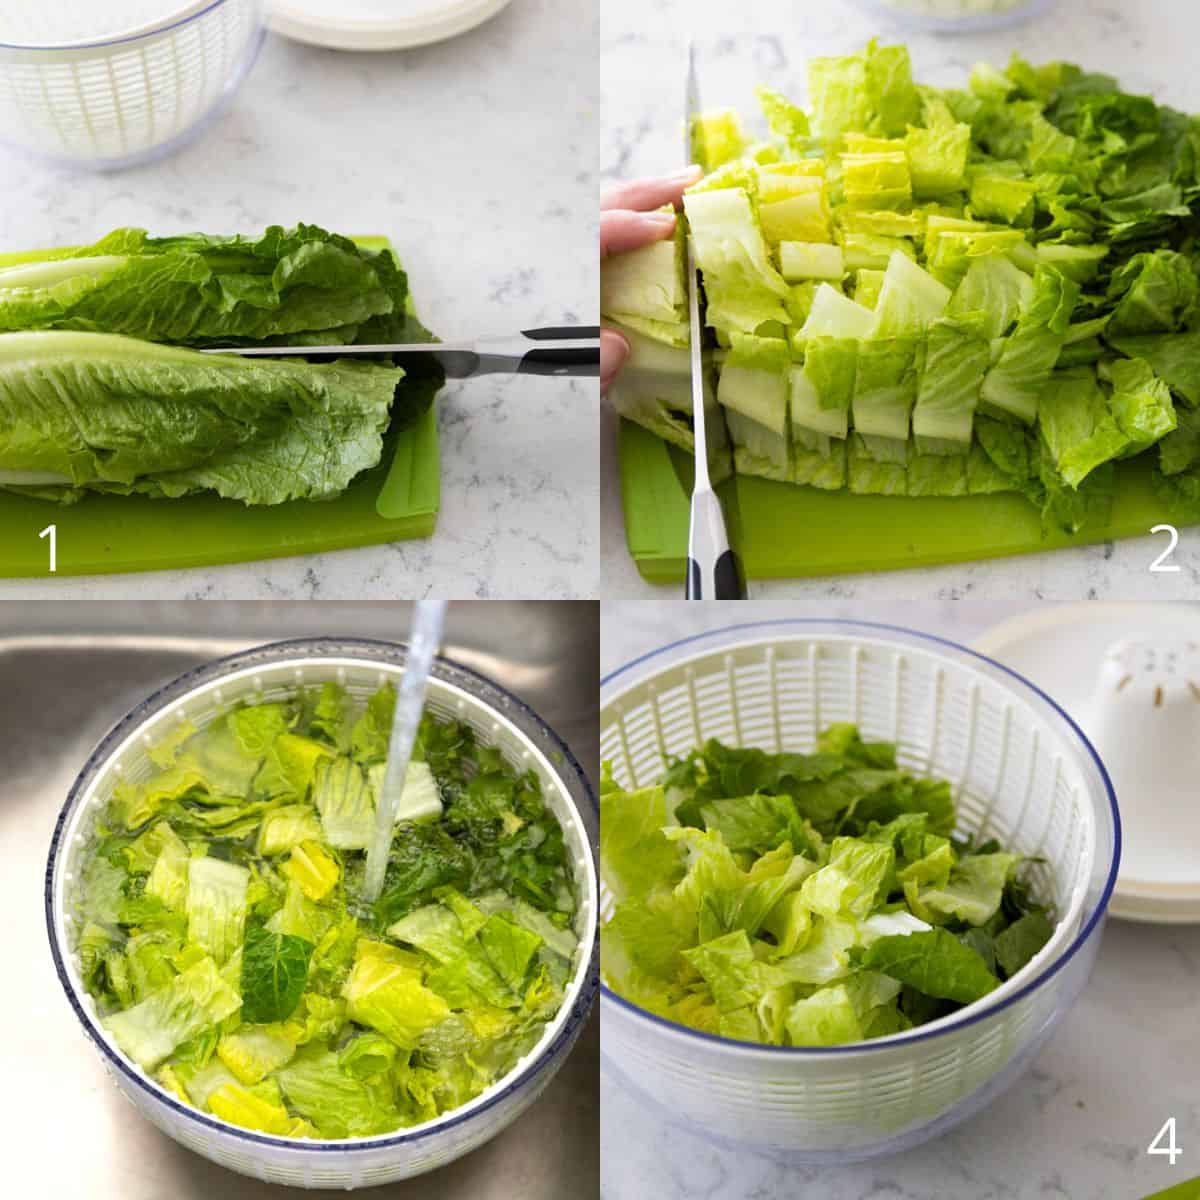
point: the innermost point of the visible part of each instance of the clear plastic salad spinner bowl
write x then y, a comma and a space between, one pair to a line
273, 673
955, 16
134, 95
1021, 771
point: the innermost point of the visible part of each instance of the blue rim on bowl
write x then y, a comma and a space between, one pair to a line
972, 1013
367, 649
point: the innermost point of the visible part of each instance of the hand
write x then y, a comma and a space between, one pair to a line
629, 219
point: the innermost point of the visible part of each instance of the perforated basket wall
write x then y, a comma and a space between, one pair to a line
273, 673
119, 102
1021, 772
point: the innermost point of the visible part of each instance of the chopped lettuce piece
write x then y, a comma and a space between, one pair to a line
195, 1000
312, 869
216, 906
346, 802
810, 260
390, 998
1030, 352
872, 92
420, 798
286, 827
339, 1105
1078, 426
743, 288
254, 1051
716, 138
885, 385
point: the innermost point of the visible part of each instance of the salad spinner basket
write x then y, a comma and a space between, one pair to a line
273, 673
1021, 771
129, 98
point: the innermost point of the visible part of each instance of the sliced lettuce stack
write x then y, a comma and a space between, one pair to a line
222, 935
921, 291
644, 295
103, 388
806, 899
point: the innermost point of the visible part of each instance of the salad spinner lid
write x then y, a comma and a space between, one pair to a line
377, 24
1129, 675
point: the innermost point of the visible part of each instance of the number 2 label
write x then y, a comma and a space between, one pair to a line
1160, 565
51, 532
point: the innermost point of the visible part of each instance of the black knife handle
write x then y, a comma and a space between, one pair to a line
562, 333
558, 360
725, 582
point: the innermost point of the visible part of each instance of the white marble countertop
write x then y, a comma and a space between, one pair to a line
477, 157
1077, 1125
1147, 44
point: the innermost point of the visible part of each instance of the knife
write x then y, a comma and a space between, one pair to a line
713, 572
556, 350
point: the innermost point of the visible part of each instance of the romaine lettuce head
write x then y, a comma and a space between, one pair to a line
196, 289
90, 405
106, 413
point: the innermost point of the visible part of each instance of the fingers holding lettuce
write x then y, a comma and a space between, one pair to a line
634, 215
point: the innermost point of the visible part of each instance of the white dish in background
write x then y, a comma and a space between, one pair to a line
378, 24
1129, 675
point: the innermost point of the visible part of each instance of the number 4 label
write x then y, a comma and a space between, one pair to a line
51, 532
1170, 1148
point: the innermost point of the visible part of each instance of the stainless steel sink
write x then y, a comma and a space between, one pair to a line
70, 670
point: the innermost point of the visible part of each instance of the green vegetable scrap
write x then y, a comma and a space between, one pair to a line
102, 388
230, 957
806, 899
919, 291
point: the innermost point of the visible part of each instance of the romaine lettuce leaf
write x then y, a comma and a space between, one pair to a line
934, 962
97, 411
339, 1105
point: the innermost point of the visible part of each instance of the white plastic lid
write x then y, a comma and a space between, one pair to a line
377, 24
1129, 675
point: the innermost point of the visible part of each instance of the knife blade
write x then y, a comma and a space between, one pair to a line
556, 350
713, 572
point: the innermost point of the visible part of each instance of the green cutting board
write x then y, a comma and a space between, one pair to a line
107, 534
784, 532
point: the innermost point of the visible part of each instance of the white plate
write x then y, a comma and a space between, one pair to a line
377, 24
1062, 650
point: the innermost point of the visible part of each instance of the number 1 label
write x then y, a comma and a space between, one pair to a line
51, 532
